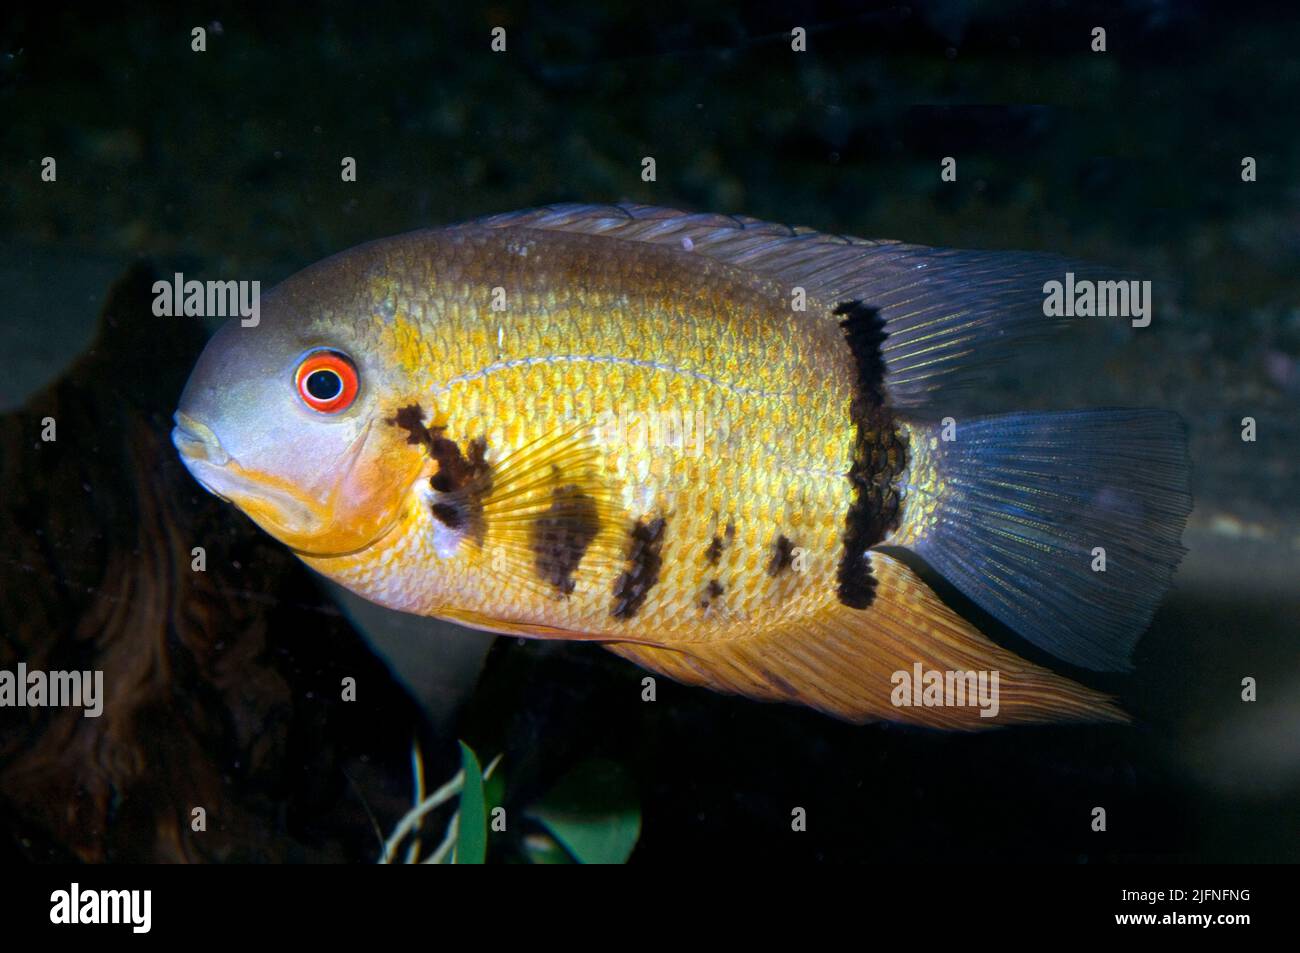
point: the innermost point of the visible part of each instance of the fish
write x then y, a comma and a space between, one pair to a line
722, 448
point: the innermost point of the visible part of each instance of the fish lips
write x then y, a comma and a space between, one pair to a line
221, 475
196, 440
304, 525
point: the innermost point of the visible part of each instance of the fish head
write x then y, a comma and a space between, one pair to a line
288, 419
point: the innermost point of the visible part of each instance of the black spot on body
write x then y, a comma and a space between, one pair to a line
455, 470
561, 535
879, 456
450, 515
711, 592
643, 564
714, 553
465, 480
411, 419
782, 556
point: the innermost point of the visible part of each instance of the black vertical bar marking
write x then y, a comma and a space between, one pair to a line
643, 564
879, 456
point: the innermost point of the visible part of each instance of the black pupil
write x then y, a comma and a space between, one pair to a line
324, 385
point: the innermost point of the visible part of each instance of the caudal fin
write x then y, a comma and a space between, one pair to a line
1064, 526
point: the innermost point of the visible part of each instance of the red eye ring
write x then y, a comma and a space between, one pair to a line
326, 381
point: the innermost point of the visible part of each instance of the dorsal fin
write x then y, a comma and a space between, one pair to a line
947, 312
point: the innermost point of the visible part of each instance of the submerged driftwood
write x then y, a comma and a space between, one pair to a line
222, 687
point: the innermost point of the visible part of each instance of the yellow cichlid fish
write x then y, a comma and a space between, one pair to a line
708, 443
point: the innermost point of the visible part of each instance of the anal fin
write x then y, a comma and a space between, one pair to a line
854, 663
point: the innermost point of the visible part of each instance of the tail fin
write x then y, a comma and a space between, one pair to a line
1022, 512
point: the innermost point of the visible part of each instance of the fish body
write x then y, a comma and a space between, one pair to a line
735, 429
693, 439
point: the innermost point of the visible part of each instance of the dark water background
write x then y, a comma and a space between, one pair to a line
225, 164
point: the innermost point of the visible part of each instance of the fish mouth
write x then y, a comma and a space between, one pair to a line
196, 441
280, 512
200, 450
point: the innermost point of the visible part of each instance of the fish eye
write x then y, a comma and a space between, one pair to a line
327, 381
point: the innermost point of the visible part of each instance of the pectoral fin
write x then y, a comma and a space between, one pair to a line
544, 515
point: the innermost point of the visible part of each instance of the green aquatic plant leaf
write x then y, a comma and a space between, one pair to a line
542, 848
471, 827
593, 812
494, 787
